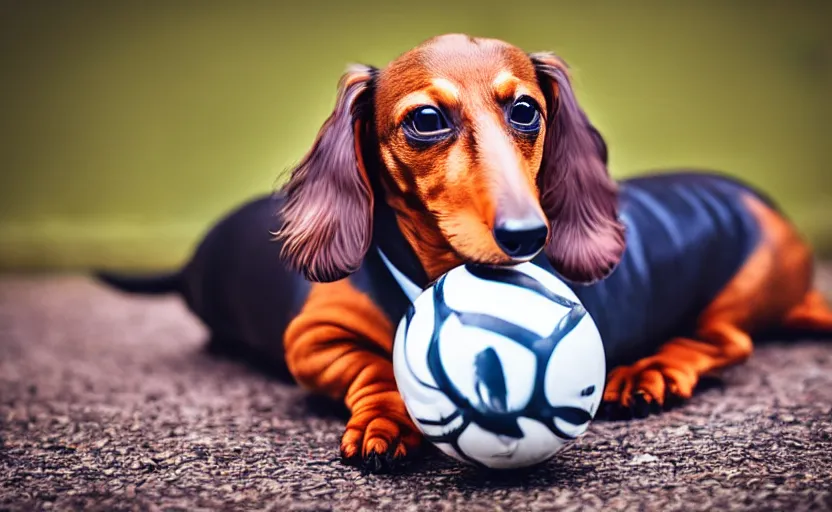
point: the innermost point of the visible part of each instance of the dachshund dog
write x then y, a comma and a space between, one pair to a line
470, 150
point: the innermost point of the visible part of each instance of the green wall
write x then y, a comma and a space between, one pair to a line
127, 128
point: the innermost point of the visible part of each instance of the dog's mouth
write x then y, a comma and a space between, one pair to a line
474, 240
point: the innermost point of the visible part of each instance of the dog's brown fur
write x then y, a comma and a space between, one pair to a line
447, 192
449, 195
447, 198
773, 287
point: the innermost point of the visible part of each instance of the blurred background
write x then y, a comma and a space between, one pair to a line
127, 128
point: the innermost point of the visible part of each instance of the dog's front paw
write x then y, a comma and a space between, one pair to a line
380, 437
648, 387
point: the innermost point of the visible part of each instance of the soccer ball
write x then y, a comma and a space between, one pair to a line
499, 367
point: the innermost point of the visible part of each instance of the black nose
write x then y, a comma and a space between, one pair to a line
521, 241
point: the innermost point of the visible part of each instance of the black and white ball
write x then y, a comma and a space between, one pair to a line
499, 367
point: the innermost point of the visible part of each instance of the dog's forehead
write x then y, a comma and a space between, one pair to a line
467, 63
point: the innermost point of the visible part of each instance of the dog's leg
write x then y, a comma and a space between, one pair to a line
773, 281
341, 345
674, 371
812, 315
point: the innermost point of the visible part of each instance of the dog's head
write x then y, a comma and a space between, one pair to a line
484, 154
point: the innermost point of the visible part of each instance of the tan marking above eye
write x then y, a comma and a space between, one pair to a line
446, 90
504, 85
441, 93
405, 105
509, 88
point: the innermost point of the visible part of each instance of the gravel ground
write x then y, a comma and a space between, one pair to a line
109, 402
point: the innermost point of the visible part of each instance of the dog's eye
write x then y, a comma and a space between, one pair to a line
525, 116
587, 391
425, 126
428, 120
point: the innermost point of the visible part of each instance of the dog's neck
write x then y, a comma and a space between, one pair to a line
394, 246
404, 231
410, 241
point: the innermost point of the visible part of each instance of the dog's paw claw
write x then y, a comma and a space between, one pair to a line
642, 406
391, 460
647, 388
672, 400
614, 411
375, 463
379, 446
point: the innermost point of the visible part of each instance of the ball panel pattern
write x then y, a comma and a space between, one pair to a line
479, 377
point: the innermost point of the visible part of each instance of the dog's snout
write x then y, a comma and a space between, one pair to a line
521, 240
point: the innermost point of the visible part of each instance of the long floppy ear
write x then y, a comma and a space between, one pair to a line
327, 214
576, 191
